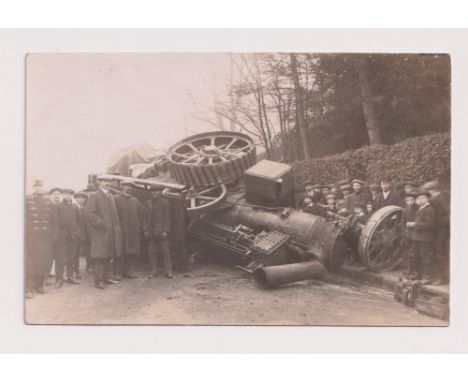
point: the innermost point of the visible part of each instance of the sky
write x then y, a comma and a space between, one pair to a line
82, 108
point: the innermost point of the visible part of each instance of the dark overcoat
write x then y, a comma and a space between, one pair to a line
441, 205
158, 217
38, 235
353, 199
104, 226
314, 209
410, 212
68, 221
132, 215
392, 200
424, 225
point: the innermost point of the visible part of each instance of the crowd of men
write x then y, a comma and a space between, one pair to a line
107, 228
426, 212
103, 226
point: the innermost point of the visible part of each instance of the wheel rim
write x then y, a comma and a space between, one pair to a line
381, 240
212, 158
210, 149
199, 201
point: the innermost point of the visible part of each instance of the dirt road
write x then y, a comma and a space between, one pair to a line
215, 294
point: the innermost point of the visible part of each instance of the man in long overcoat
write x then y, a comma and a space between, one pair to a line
83, 242
105, 231
132, 215
55, 196
421, 240
38, 240
440, 201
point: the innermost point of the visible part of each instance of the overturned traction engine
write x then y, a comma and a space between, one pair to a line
234, 206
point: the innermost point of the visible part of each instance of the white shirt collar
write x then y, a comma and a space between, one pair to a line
423, 206
385, 193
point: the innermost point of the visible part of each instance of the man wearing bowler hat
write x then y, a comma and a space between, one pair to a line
421, 240
440, 201
105, 231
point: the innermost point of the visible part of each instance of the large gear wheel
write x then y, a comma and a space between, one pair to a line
212, 158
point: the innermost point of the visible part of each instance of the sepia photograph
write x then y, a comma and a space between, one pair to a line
270, 188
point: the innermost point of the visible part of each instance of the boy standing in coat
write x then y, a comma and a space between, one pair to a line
158, 224
69, 234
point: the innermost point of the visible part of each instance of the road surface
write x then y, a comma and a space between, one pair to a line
219, 295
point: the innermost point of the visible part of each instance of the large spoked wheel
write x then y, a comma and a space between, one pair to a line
202, 200
212, 158
381, 240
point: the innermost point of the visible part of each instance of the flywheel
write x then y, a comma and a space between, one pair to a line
381, 244
211, 158
199, 201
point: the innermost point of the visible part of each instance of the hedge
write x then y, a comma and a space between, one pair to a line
420, 159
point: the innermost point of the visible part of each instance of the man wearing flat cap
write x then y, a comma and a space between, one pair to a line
317, 190
335, 189
83, 242
55, 196
307, 191
132, 215
409, 187
105, 231
358, 195
38, 238
421, 240
158, 224
440, 201
330, 209
346, 190
387, 197
69, 234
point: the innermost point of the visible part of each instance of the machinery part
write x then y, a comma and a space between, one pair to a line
381, 240
199, 201
277, 275
147, 183
313, 233
434, 306
235, 240
212, 158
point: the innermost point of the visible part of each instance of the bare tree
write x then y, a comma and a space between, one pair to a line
299, 106
372, 124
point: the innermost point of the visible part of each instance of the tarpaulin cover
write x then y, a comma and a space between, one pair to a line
122, 160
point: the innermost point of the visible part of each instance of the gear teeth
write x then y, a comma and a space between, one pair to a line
212, 174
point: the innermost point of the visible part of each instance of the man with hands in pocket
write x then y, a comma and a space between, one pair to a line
105, 231
157, 226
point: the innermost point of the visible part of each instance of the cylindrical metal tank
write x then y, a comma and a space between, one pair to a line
275, 276
321, 237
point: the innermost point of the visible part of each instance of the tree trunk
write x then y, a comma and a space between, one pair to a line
372, 125
299, 107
